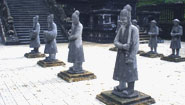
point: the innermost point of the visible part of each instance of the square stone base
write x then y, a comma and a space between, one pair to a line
113, 49
140, 52
37, 55
51, 64
109, 99
170, 59
150, 55
76, 77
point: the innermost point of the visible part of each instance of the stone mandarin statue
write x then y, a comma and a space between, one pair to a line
118, 26
76, 54
176, 33
134, 22
129, 9
34, 35
50, 39
127, 42
153, 32
125, 71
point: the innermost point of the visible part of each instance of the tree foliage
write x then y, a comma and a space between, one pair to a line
150, 2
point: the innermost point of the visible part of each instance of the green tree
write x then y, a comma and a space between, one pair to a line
173, 1
150, 2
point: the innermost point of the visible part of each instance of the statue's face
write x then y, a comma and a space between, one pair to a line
75, 20
34, 20
133, 22
124, 20
50, 20
153, 24
175, 23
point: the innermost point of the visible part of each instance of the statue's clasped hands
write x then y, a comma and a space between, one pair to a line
126, 47
45, 32
69, 32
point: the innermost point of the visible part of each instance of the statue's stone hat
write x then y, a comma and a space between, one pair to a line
134, 20
128, 7
153, 21
76, 14
124, 13
176, 20
36, 18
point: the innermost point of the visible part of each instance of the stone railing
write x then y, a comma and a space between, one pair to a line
59, 13
9, 35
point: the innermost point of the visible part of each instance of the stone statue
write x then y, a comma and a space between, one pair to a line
134, 22
76, 54
118, 25
127, 42
129, 9
50, 39
176, 33
34, 36
153, 32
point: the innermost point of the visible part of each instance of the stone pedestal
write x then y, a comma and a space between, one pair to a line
51, 64
119, 94
140, 52
113, 49
36, 55
173, 59
151, 55
109, 99
76, 77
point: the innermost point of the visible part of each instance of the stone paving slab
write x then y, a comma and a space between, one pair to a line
23, 82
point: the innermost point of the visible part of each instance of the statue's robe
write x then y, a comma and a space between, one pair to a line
50, 39
35, 38
123, 71
153, 32
176, 33
76, 53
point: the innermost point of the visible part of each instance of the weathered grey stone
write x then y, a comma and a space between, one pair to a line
134, 22
50, 39
153, 32
116, 49
86, 75
173, 59
151, 54
34, 35
44, 63
176, 33
76, 54
110, 99
127, 42
113, 49
36, 55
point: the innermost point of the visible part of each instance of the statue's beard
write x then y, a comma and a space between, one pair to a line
124, 24
176, 24
34, 26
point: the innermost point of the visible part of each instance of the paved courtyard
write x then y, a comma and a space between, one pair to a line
23, 82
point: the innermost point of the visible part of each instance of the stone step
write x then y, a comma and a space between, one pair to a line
42, 41
29, 14
22, 2
29, 11
31, 18
23, 12
28, 30
13, 4
144, 38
